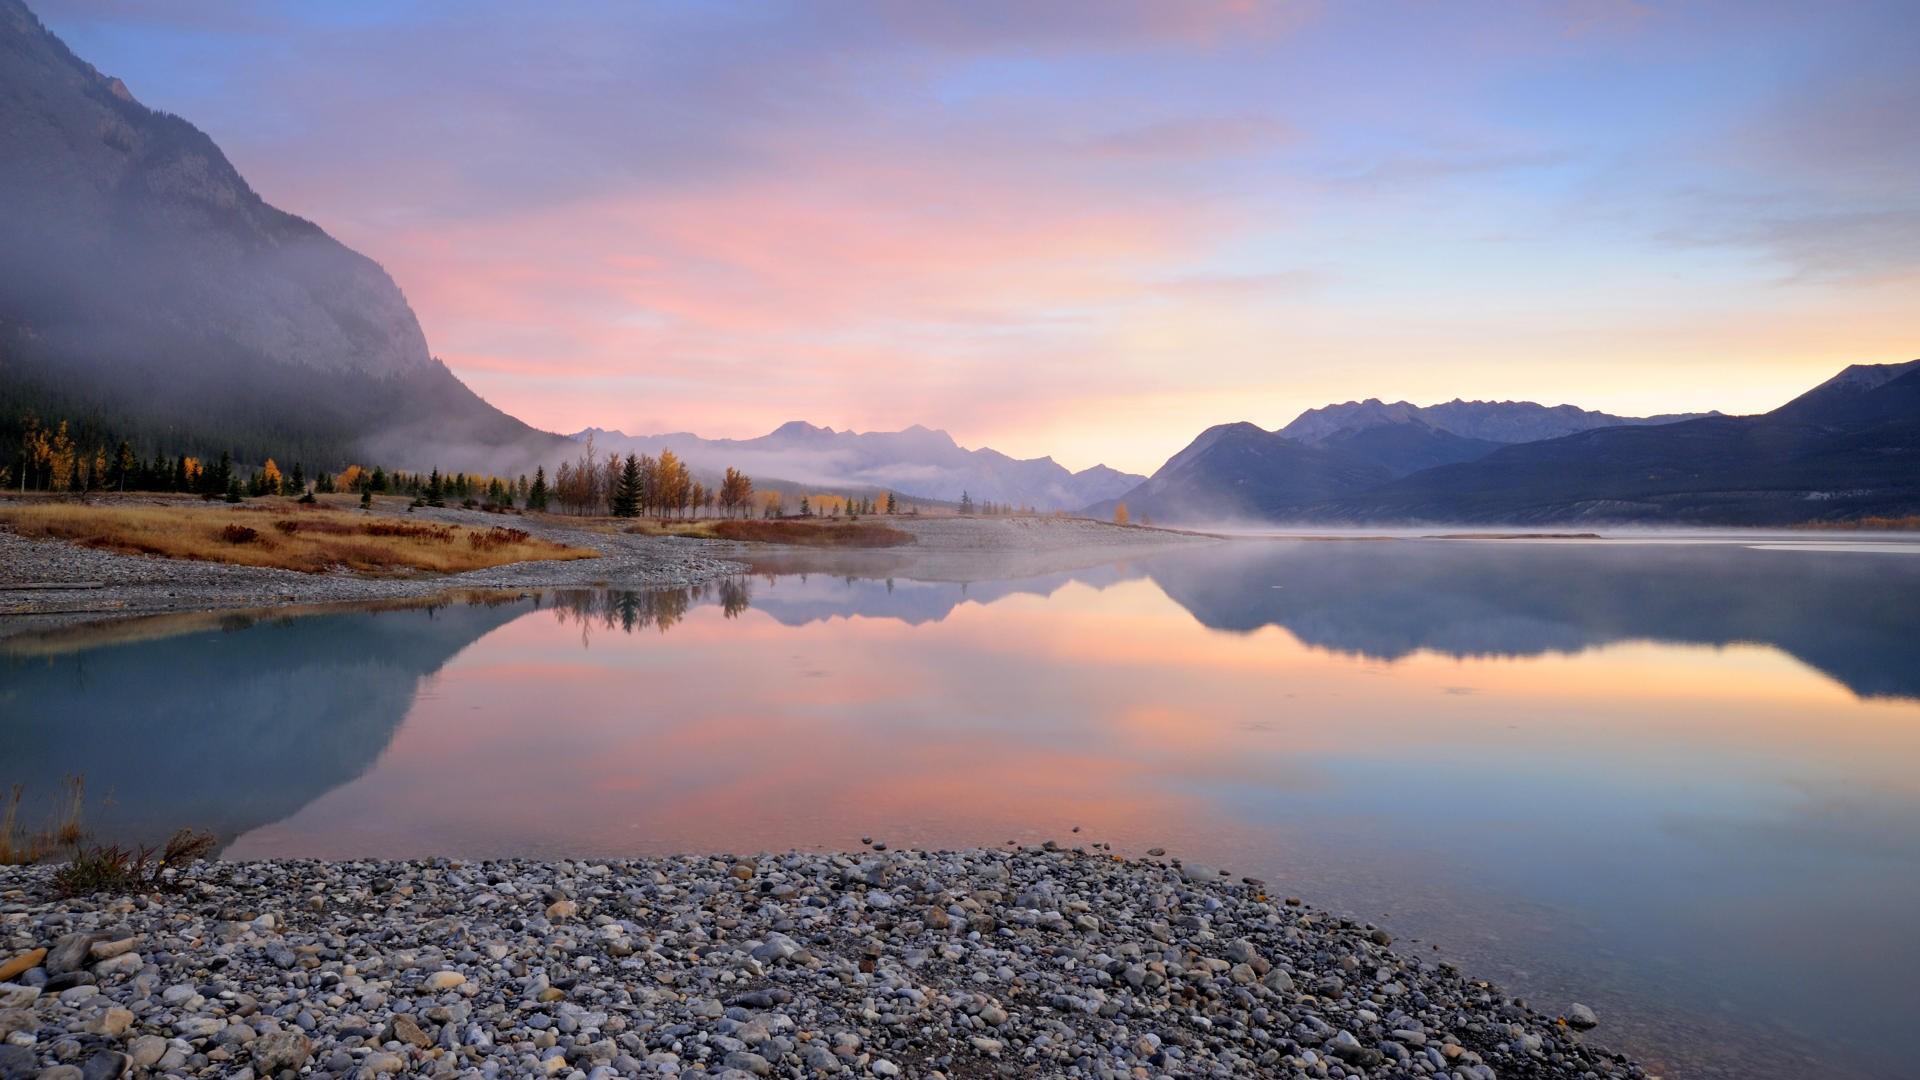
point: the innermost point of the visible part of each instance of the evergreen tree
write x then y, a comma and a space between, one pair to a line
299, 479
366, 498
379, 481
537, 494
891, 505
233, 488
433, 493
806, 510
219, 478
966, 503
626, 493
125, 466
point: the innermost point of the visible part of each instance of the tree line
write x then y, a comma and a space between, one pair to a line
52, 459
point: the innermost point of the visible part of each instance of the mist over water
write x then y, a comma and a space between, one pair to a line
1670, 780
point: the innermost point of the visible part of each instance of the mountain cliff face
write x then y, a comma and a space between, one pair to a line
1848, 448
917, 461
142, 278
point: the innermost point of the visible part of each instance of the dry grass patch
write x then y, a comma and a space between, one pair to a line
306, 539
803, 533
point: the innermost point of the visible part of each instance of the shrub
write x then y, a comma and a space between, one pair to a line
407, 531
239, 534
497, 537
110, 868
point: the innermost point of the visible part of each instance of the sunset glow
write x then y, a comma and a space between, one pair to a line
1086, 230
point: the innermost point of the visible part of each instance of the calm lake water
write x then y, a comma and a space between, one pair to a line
1677, 782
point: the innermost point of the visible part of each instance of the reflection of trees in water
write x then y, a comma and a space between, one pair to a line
736, 595
631, 610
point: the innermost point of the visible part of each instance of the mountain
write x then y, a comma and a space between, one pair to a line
1241, 471
916, 461
1848, 448
1407, 438
1486, 421
143, 281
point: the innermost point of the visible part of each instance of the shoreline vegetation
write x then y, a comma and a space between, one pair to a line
306, 538
1016, 961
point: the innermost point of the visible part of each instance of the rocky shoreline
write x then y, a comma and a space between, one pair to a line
1019, 962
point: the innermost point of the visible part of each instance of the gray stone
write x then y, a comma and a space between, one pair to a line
146, 1050
106, 1065
71, 953
281, 1050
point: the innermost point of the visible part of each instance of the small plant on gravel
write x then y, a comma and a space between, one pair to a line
111, 868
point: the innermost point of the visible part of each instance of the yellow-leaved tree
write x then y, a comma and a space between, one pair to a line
1120, 514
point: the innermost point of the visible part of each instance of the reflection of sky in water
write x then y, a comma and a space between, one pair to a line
1677, 784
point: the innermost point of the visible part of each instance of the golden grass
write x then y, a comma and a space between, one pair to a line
307, 539
800, 533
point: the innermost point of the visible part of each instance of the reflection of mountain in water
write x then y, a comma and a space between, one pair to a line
799, 600
218, 730
1850, 615
1853, 616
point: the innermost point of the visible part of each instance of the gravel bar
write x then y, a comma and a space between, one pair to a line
1017, 962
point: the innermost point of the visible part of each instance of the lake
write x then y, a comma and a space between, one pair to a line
1676, 781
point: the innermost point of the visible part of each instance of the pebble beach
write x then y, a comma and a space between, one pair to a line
1017, 962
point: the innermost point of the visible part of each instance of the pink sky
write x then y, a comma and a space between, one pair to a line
1085, 230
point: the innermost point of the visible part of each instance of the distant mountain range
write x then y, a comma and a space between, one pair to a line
1483, 421
916, 461
142, 280
1849, 447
